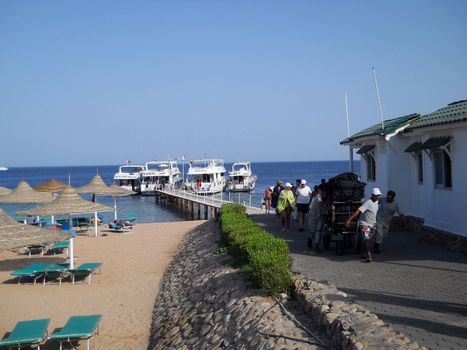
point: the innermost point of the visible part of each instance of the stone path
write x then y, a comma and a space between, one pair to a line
421, 290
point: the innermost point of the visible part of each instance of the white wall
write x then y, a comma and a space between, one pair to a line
441, 208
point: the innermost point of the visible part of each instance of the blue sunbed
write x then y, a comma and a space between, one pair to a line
27, 333
77, 328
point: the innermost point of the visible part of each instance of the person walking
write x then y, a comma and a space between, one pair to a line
303, 198
387, 208
285, 205
314, 221
275, 194
267, 199
367, 222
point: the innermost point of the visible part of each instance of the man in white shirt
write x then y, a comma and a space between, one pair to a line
303, 199
387, 208
367, 221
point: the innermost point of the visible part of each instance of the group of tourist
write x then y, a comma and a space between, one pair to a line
374, 214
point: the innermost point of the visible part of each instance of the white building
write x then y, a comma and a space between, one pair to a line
424, 160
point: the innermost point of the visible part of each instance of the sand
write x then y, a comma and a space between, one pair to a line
124, 292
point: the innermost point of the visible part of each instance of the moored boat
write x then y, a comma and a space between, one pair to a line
206, 176
241, 179
129, 176
160, 175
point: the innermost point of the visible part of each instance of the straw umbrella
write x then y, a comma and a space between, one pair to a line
23, 193
68, 203
97, 186
14, 235
51, 185
4, 190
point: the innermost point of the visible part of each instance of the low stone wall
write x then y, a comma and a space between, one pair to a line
204, 303
430, 235
348, 325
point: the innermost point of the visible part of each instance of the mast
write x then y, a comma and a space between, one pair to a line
379, 100
351, 168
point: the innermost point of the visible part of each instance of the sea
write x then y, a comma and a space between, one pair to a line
145, 207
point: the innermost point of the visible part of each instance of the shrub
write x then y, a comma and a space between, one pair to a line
266, 256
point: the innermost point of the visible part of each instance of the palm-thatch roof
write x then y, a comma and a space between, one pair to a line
14, 235
96, 186
4, 190
23, 193
67, 202
51, 185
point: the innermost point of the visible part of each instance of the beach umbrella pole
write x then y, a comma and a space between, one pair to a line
71, 253
95, 223
115, 206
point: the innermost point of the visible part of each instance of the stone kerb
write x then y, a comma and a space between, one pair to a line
348, 325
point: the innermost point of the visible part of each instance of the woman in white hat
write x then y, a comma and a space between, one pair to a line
285, 206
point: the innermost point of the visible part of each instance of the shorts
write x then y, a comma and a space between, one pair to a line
303, 208
366, 233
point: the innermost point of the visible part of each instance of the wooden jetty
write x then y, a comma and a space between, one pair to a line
190, 200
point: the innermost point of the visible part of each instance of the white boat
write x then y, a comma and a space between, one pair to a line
3, 168
160, 175
241, 178
206, 176
129, 176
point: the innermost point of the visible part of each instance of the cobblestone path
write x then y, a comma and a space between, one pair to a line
421, 290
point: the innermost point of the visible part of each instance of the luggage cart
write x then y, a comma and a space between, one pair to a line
337, 232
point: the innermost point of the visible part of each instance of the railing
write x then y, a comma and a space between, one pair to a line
214, 200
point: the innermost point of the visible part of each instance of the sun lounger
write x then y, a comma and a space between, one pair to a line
56, 272
58, 247
77, 328
85, 270
27, 333
34, 271
36, 248
121, 228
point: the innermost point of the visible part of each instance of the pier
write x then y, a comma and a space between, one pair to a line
196, 202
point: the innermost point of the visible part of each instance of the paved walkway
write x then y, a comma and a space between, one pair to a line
421, 290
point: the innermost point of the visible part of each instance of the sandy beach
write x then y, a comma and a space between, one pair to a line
124, 292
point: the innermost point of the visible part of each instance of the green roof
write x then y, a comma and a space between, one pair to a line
453, 113
391, 127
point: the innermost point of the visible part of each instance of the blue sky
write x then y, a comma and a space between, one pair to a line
99, 82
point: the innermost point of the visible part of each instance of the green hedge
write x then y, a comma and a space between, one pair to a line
267, 257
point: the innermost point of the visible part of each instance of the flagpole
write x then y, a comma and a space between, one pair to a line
379, 100
351, 168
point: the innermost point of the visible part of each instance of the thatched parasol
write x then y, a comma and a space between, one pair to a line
14, 236
23, 193
68, 203
97, 186
51, 185
4, 190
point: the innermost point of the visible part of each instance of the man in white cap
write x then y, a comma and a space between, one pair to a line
367, 221
303, 197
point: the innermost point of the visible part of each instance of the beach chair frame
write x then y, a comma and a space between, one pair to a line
71, 332
87, 269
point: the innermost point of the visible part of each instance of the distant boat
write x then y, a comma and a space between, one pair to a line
159, 174
3, 168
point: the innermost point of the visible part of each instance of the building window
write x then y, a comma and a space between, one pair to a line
420, 167
370, 167
443, 176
